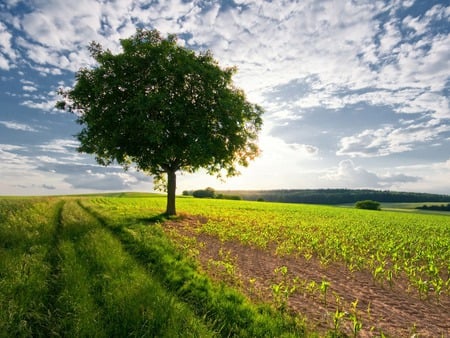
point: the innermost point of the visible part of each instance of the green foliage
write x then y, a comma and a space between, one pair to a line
368, 205
338, 196
204, 193
441, 207
164, 108
211, 193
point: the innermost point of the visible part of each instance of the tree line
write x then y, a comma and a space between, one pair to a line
210, 193
336, 196
441, 207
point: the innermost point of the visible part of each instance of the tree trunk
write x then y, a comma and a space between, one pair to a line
171, 191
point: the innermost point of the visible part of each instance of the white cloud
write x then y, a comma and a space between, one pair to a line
14, 166
101, 181
389, 140
434, 177
347, 175
10, 147
42, 101
18, 126
272, 43
21, 169
7, 53
61, 25
64, 146
29, 88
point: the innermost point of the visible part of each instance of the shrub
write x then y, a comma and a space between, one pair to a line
368, 204
205, 193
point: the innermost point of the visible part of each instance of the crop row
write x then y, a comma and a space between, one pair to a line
391, 245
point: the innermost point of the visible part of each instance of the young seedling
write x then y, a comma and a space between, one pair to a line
283, 290
324, 288
356, 323
337, 318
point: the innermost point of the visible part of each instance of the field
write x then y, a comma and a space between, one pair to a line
113, 266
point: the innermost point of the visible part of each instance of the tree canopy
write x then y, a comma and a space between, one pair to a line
163, 108
368, 204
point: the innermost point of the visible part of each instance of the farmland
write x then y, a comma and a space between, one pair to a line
113, 265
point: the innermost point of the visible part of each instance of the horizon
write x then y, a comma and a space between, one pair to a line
356, 95
156, 192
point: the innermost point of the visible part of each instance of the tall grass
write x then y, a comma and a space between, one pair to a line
63, 274
26, 232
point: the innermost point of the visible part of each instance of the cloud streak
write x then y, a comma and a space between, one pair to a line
18, 126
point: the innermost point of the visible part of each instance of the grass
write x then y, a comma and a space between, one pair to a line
68, 276
67, 270
103, 266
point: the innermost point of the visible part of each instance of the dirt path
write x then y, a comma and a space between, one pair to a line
394, 311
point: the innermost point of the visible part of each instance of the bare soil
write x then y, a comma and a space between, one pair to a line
394, 310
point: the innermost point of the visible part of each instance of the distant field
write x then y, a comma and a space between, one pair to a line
405, 207
412, 207
113, 265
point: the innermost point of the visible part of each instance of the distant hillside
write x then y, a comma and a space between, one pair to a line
335, 196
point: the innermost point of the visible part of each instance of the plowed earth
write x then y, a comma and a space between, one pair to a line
393, 310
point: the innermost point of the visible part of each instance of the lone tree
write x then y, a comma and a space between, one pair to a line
164, 108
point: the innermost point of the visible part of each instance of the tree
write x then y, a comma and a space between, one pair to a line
368, 204
163, 108
205, 193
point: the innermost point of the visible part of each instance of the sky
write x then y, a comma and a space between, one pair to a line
355, 92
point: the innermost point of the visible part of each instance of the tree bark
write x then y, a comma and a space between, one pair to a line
171, 191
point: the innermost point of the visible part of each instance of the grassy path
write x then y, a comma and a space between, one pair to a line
68, 276
53, 261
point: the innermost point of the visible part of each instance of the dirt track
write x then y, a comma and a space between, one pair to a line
392, 310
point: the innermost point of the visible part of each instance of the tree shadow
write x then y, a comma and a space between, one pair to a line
160, 218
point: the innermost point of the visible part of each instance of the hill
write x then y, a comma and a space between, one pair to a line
335, 196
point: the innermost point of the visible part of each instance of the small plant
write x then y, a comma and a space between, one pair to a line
311, 287
356, 322
337, 318
226, 266
324, 288
284, 289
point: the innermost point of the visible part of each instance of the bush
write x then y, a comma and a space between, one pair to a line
205, 193
368, 204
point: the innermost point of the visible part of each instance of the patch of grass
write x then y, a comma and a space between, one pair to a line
63, 274
226, 310
26, 233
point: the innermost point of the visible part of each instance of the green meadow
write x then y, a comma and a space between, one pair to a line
103, 266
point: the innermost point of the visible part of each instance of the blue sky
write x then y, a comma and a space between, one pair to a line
356, 93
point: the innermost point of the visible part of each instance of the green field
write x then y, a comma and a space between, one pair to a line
103, 266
